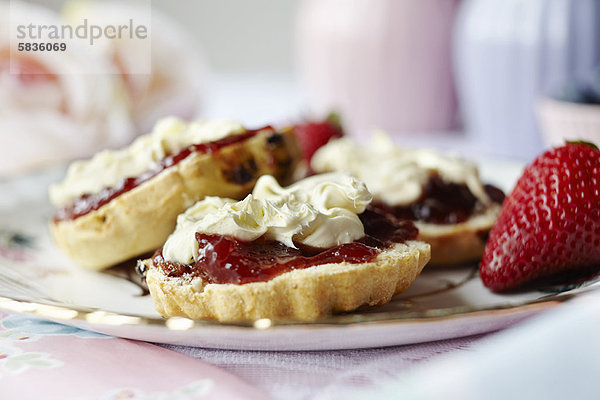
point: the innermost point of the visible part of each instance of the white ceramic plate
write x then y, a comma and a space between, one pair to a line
36, 278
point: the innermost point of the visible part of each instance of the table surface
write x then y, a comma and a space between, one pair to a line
554, 355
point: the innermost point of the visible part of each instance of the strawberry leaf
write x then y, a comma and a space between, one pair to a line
584, 142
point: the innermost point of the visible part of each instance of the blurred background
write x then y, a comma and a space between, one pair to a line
504, 78
235, 35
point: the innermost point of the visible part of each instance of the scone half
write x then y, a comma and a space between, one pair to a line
140, 220
295, 253
442, 194
299, 295
461, 242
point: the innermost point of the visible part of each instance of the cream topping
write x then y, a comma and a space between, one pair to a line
395, 175
109, 167
320, 211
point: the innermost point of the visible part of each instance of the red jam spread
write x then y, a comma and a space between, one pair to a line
90, 202
224, 259
441, 203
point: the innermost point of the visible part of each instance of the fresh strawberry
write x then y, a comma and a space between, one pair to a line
313, 135
549, 225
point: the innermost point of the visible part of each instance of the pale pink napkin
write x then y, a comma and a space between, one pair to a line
554, 355
45, 360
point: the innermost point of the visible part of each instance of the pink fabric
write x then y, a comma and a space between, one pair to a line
554, 353
326, 374
41, 359
64, 362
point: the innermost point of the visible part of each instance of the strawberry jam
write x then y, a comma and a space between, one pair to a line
90, 202
224, 259
441, 203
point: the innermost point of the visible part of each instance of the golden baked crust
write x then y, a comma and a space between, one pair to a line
301, 295
141, 219
458, 243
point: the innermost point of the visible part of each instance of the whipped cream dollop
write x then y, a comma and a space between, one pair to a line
320, 211
109, 167
395, 175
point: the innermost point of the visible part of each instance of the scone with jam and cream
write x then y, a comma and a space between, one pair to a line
443, 195
295, 253
124, 203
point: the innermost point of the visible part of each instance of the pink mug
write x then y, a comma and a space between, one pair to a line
380, 63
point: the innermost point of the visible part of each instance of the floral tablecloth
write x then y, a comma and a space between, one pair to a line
46, 360
554, 355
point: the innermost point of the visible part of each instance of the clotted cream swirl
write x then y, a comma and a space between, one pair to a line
395, 175
320, 211
109, 167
